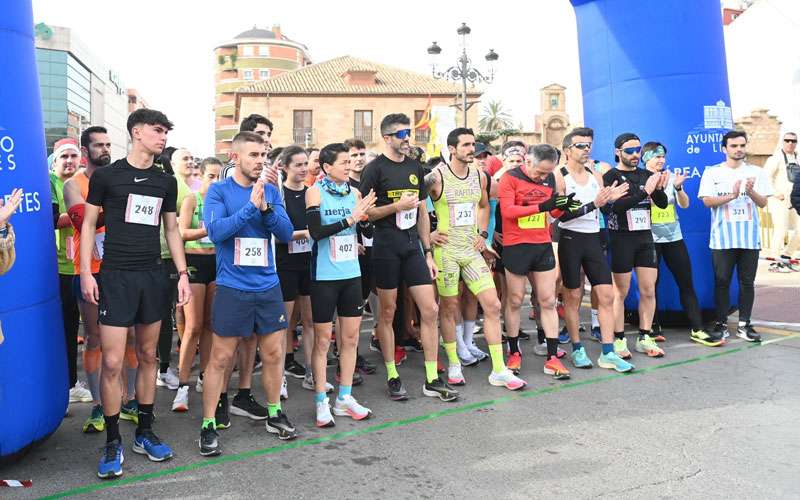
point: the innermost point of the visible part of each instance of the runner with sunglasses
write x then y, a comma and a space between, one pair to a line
632, 246
401, 247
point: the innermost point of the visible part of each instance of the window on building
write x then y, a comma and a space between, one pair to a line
263, 74
248, 74
421, 135
263, 50
248, 50
553, 101
303, 131
362, 128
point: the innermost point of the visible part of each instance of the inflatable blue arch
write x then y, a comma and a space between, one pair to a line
653, 67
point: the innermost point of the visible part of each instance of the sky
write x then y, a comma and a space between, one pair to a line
164, 48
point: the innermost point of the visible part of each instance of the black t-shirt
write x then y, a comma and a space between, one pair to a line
141, 196
636, 200
389, 180
295, 203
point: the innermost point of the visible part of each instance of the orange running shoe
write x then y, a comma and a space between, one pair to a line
554, 367
514, 362
399, 355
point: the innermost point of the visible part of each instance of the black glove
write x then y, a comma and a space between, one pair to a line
572, 204
556, 201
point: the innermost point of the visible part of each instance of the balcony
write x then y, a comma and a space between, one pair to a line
364, 134
303, 136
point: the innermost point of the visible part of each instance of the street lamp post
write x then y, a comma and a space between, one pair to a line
463, 69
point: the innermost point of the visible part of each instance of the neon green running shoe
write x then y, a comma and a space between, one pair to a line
96, 422
130, 411
621, 348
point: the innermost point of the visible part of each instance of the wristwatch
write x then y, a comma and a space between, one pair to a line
426, 250
678, 188
268, 210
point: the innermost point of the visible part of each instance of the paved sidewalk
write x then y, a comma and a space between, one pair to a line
777, 298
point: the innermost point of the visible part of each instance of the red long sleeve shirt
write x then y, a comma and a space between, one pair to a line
520, 197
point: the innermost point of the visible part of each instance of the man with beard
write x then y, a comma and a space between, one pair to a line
632, 246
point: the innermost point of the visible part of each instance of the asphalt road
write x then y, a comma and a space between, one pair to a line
699, 423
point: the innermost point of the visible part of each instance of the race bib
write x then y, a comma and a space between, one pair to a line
638, 219
405, 219
367, 241
462, 214
99, 245
300, 246
343, 248
535, 221
739, 210
663, 215
142, 209
204, 239
250, 252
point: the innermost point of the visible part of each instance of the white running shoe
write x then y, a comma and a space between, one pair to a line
168, 379
454, 375
308, 383
199, 386
80, 394
477, 353
348, 406
541, 350
507, 379
324, 417
284, 389
181, 401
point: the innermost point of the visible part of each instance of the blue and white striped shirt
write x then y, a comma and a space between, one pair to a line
734, 224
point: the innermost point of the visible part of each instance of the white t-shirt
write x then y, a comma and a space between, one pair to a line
734, 224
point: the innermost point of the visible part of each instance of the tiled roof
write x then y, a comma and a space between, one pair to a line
328, 78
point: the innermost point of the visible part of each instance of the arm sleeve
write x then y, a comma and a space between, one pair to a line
315, 227
365, 229
659, 198
583, 210
277, 221
507, 201
219, 224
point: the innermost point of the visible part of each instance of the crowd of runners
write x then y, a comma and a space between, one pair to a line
285, 250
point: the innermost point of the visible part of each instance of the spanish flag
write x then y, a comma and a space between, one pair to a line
425, 119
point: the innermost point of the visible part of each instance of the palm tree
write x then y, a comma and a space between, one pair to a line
494, 117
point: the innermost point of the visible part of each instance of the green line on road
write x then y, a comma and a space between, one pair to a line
399, 423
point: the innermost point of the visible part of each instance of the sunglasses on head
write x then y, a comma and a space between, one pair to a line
792, 141
583, 146
631, 151
402, 134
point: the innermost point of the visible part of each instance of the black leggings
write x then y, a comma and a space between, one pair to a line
676, 256
746, 263
71, 316
165, 335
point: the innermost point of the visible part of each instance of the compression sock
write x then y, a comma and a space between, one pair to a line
513, 345
540, 335
576, 346
496, 352
112, 427
595, 320
552, 347
430, 371
460, 337
391, 370
273, 409
608, 348
345, 390
469, 331
452, 353
209, 423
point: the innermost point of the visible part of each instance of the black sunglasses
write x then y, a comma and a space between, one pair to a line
402, 134
792, 141
583, 146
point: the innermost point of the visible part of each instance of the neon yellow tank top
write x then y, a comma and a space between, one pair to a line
457, 208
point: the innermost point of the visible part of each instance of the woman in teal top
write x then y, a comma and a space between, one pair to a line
332, 212
202, 266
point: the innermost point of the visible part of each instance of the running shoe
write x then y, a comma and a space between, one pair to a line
396, 390
399, 355
580, 359
412, 344
621, 348
563, 336
476, 352
130, 411
374, 344
612, 361
779, 267
454, 375
554, 367
348, 406
440, 389
712, 339
199, 386
333, 357
248, 407
467, 358
514, 362
722, 330
257, 364
284, 389
147, 443
294, 369
209, 442
308, 383
748, 333
324, 417
111, 460
96, 422
357, 378
221, 415
364, 366
541, 350
168, 379
645, 344
80, 394
181, 401
280, 425
657, 333
507, 379
595, 334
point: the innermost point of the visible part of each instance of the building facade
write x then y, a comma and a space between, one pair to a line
345, 97
551, 124
77, 90
252, 56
